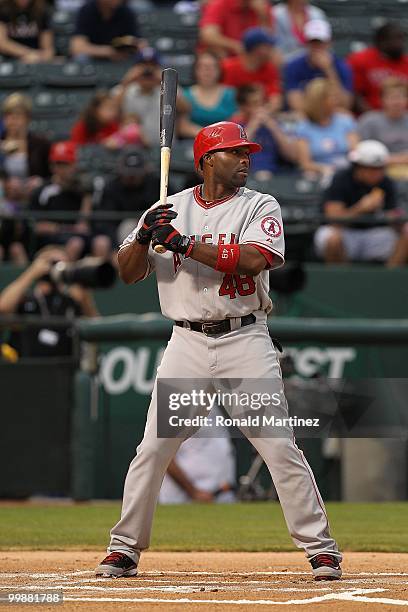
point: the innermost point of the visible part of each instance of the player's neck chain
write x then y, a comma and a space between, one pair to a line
211, 203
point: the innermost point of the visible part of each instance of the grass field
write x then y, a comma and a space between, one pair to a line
237, 527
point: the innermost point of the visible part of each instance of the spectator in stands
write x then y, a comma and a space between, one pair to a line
34, 293
290, 18
255, 116
317, 61
224, 22
372, 66
98, 24
64, 192
207, 101
14, 234
99, 120
130, 132
23, 154
25, 32
390, 125
255, 66
325, 137
139, 92
135, 188
358, 192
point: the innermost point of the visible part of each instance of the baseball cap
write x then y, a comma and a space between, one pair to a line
257, 36
132, 161
370, 153
148, 55
64, 151
318, 29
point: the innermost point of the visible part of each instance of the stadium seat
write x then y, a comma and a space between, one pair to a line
182, 156
298, 197
15, 76
111, 73
175, 46
402, 195
69, 74
53, 103
63, 26
63, 22
168, 22
53, 129
97, 160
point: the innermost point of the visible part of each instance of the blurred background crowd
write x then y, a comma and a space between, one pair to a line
323, 88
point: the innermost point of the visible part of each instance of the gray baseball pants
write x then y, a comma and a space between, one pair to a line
246, 352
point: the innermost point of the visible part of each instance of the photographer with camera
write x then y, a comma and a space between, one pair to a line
39, 291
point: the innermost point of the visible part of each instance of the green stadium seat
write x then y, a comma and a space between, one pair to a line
63, 26
174, 46
63, 22
15, 76
182, 159
53, 103
111, 73
69, 74
169, 23
299, 198
53, 129
402, 195
97, 160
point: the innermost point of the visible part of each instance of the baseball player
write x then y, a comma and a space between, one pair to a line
221, 240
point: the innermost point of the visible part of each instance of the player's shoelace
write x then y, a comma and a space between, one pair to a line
323, 559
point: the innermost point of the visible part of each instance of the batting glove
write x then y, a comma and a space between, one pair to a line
171, 239
155, 217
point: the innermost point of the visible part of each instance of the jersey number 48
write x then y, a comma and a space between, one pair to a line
236, 283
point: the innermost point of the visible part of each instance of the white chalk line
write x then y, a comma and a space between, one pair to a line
191, 588
358, 595
351, 594
190, 573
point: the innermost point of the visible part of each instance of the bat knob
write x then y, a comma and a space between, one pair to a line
159, 248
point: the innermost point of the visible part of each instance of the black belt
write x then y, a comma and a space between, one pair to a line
212, 328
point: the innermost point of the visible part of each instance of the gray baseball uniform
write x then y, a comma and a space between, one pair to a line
191, 291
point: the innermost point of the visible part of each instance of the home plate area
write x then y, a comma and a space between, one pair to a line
208, 581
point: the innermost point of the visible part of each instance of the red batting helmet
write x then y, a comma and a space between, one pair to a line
221, 135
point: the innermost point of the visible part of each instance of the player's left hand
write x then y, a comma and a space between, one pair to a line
169, 237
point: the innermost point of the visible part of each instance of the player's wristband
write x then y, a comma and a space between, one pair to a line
189, 248
228, 257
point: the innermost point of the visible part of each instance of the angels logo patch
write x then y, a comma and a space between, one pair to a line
271, 227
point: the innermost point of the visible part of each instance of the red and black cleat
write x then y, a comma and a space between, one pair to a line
116, 565
326, 567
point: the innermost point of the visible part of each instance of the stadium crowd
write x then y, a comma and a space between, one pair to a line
338, 122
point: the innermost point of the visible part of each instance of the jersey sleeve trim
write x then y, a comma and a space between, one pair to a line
273, 257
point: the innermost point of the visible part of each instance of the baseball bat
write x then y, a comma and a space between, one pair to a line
168, 94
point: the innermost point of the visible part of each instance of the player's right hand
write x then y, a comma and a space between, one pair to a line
161, 215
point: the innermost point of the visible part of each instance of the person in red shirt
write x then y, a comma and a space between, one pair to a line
372, 66
99, 120
255, 66
224, 22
